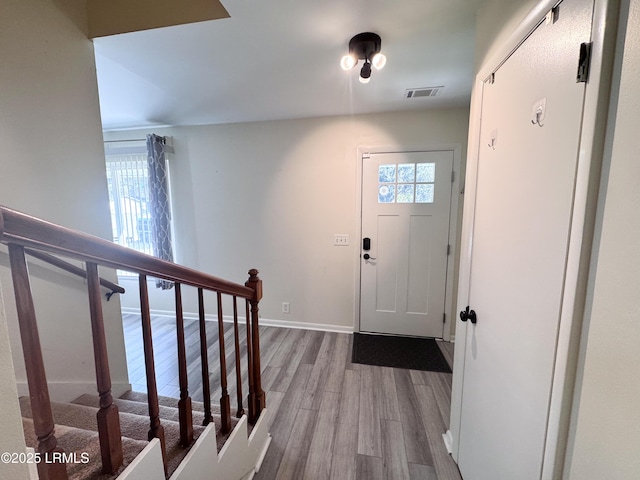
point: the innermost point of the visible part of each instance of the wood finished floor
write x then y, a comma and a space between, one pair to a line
330, 418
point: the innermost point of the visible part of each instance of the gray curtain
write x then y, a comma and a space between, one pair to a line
159, 202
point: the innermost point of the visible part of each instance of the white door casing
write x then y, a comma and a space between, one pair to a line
525, 336
406, 209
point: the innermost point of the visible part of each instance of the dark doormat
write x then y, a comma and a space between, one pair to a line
398, 352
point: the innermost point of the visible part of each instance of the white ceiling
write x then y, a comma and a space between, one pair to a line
280, 60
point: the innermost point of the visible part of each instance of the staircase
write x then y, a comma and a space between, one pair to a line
138, 436
77, 432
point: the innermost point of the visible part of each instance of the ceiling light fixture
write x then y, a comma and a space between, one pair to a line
364, 46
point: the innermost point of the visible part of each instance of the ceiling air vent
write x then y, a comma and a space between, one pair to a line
422, 92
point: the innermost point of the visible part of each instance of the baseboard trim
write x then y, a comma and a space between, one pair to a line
323, 327
448, 441
263, 321
68, 391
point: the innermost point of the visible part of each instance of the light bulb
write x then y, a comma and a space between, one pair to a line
364, 80
348, 62
379, 61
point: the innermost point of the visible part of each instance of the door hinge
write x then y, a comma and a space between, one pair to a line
444, 318
453, 176
552, 16
448, 250
584, 63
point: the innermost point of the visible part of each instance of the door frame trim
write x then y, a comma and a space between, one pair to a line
564, 390
455, 216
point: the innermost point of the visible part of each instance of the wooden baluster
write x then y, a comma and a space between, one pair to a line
107, 417
250, 377
34, 365
257, 400
236, 337
184, 404
204, 360
225, 402
156, 430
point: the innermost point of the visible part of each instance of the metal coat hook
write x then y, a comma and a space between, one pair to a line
538, 112
493, 140
538, 116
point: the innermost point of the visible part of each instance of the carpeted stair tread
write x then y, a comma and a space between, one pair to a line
132, 426
82, 416
79, 441
139, 408
168, 401
196, 407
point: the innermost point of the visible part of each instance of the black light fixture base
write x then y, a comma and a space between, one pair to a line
365, 45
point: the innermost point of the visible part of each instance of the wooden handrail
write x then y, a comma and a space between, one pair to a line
22, 229
71, 268
26, 234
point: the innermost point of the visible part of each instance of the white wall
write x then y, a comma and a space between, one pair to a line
270, 195
52, 166
497, 20
12, 438
606, 430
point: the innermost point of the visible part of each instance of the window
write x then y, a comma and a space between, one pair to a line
406, 183
128, 181
138, 180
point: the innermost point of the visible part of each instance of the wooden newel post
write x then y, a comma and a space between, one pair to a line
257, 399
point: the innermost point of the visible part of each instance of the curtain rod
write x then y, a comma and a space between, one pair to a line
132, 140
164, 138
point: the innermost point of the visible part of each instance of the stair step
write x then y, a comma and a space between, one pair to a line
79, 441
196, 407
76, 429
132, 426
139, 408
167, 401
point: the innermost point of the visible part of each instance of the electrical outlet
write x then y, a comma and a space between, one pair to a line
285, 307
341, 240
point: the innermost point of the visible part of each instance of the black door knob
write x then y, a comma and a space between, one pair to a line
468, 315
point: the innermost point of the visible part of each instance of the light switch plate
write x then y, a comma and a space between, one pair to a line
341, 240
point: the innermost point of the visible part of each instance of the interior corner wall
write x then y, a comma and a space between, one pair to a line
52, 166
496, 21
271, 195
605, 437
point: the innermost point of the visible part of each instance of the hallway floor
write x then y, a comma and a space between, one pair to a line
330, 418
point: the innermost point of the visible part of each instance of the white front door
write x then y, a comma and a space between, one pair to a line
526, 175
406, 200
